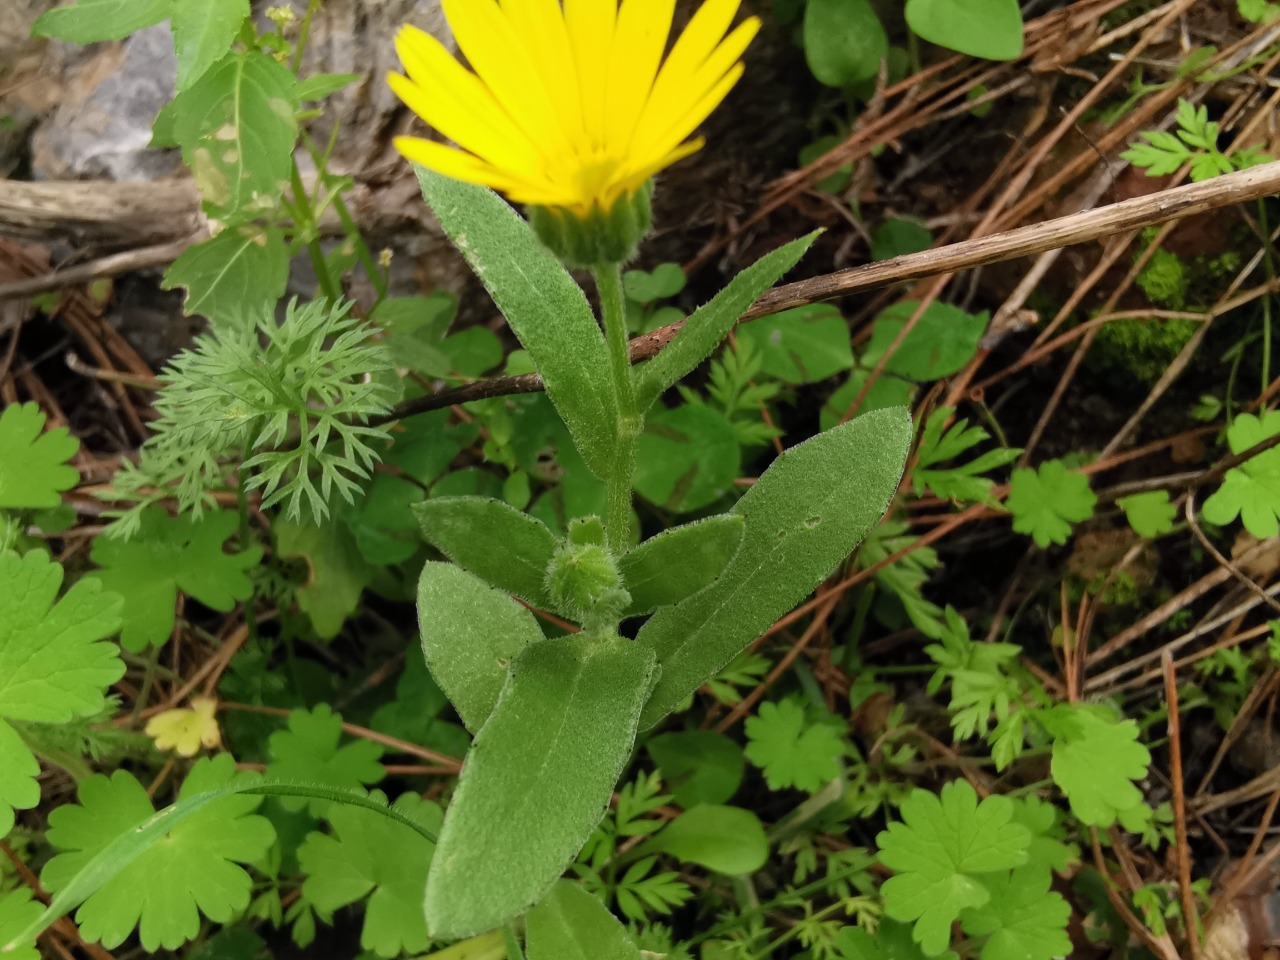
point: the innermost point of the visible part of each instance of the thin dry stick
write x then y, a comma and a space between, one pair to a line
107, 266
1084, 227
1189, 913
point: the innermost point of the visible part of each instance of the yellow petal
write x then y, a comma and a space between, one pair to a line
542, 22
590, 24
455, 102
685, 106
186, 730
638, 42
641, 175
454, 163
504, 62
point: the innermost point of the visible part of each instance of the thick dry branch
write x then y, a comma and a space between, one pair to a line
99, 214
1089, 225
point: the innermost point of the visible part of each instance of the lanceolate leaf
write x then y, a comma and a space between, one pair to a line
712, 322
537, 780
545, 308
202, 33
90, 21
470, 634
803, 516
679, 562
571, 924
495, 541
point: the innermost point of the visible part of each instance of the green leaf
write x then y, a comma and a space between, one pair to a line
18, 911
963, 482
308, 752
90, 21
19, 789
844, 41
1250, 491
338, 573
712, 322
728, 840
938, 852
237, 130
165, 888
470, 635
679, 562
537, 780
168, 555
227, 275
792, 751
943, 340
891, 941
803, 516
887, 391
571, 924
471, 352
803, 345
504, 547
698, 766
897, 237
991, 29
541, 302
1046, 501
1150, 514
202, 34
1095, 761
33, 465
320, 86
687, 458
371, 856
665, 280
1023, 919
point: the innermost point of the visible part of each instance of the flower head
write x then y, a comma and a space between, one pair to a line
571, 106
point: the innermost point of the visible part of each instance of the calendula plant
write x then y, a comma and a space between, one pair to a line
569, 111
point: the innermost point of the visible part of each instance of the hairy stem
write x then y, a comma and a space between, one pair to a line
618, 521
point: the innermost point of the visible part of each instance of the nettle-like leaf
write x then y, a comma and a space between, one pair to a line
242, 265
169, 885
33, 465
938, 854
168, 555
55, 663
308, 752
1046, 501
1250, 491
1096, 758
370, 855
793, 751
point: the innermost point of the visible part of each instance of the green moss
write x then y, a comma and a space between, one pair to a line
1141, 348
1165, 280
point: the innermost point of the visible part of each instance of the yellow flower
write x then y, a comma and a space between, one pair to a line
184, 731
570, 107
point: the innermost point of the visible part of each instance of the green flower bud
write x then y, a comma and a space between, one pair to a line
602, 236
580, 576
586, 530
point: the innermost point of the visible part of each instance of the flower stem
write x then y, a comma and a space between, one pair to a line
618, 521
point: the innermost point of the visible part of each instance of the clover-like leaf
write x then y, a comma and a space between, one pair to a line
1023, 919
308, 752
1045, 502
370, 855
1096, 758
33, 465
196, 869
945, 842
168, 555
792, 751
1250, 491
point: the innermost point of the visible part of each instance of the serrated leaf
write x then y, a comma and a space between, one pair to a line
943, 340
371, 856
33, 465
728, 840
571, 924
687, 458
803, 345
91, 21
892, 941
1023, 919
237, 130
712, 322
202, 34
1095, 761
945, 842
167, 555
165, 888
538, 779
471, 633
1250, 491
338, 573
541, 302
309, 752
792, 751
19, 789
228, 275
1150, 514
803, 516
1046, 501
506, 548
18, 910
